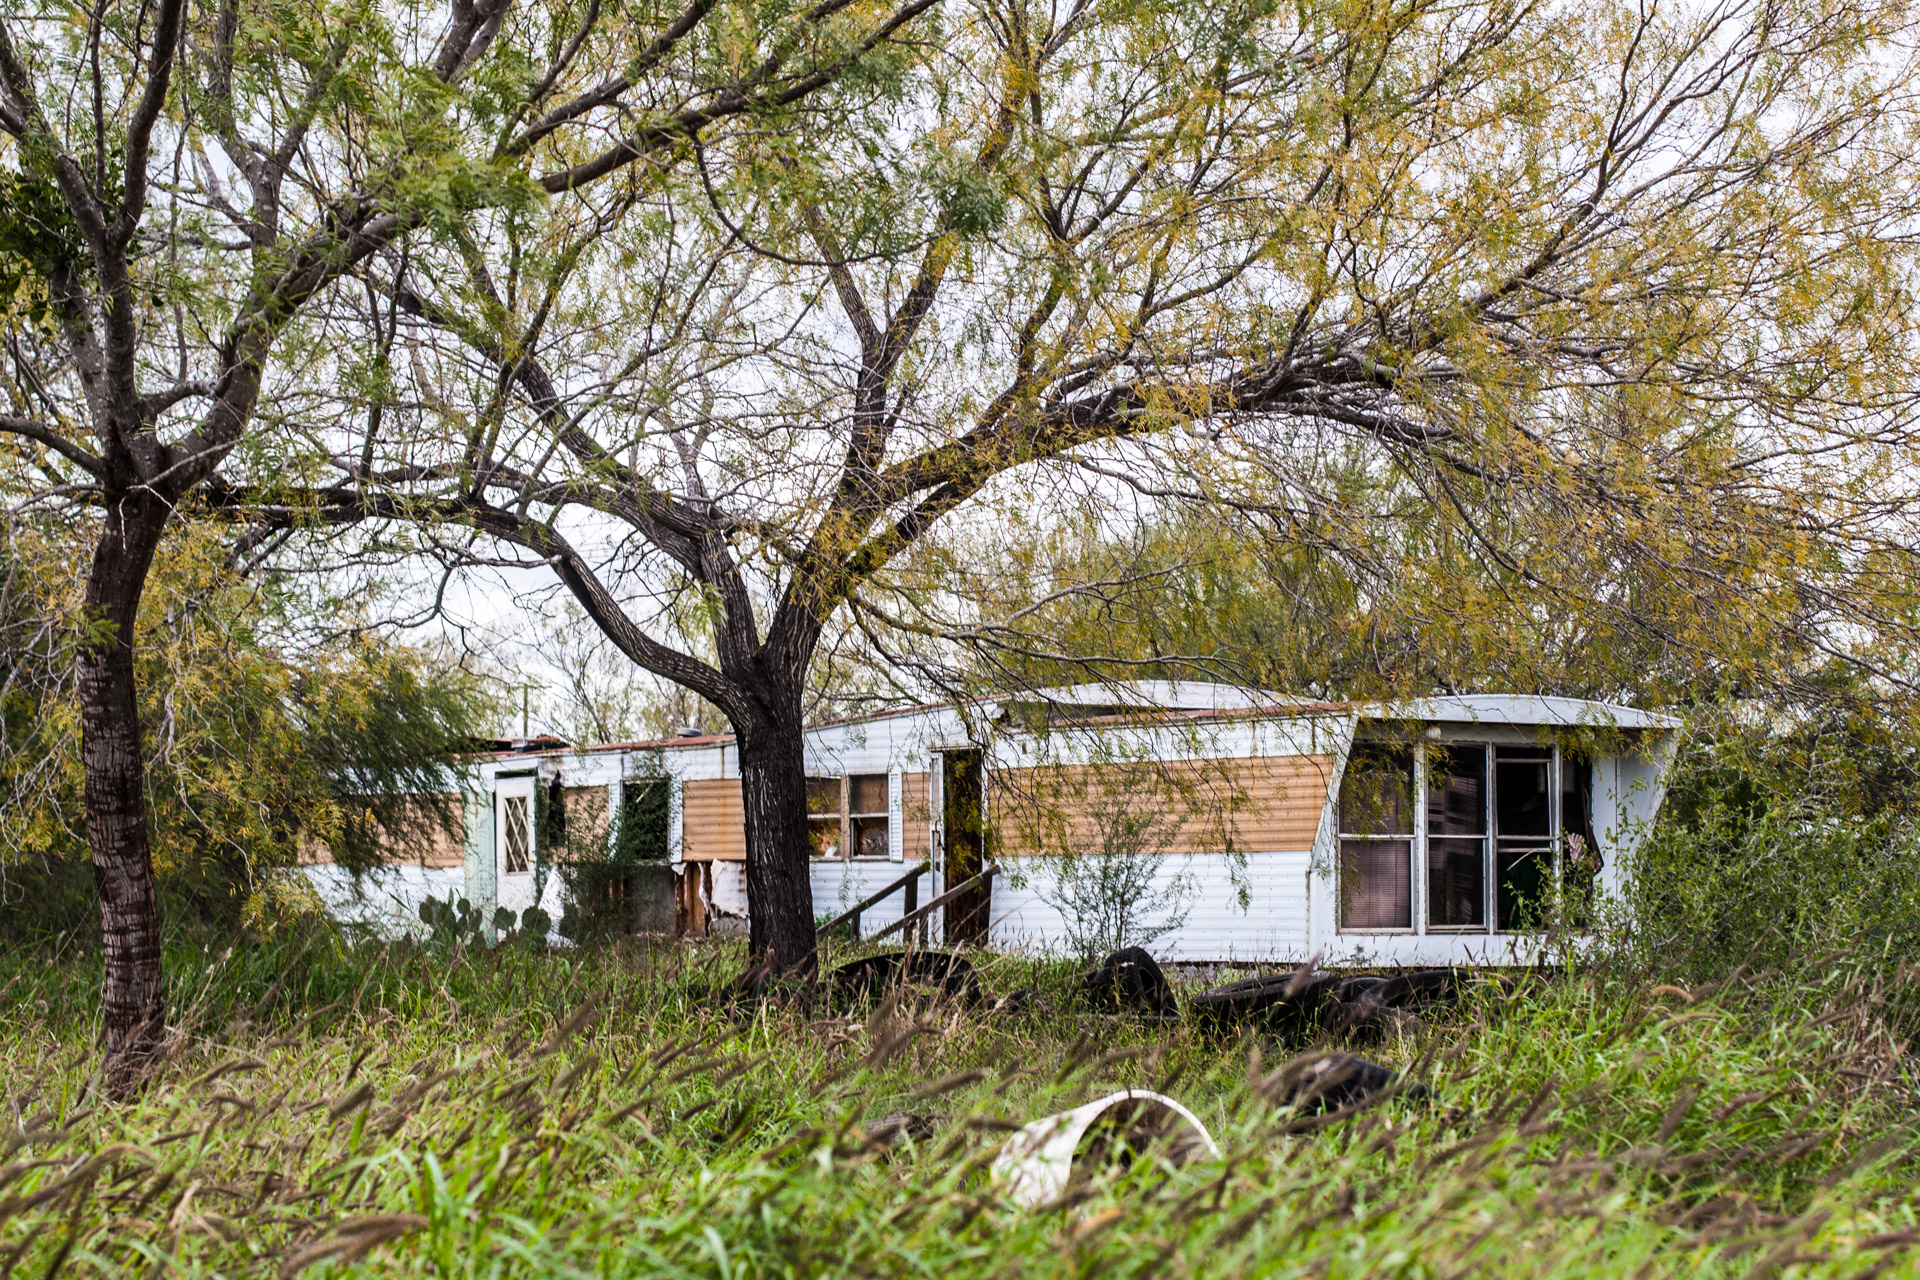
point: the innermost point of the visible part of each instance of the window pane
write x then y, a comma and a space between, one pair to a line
867, 793
825, 836
1576, 797
1520, 795
517, 842
1376, 793
823, 795
1583, 862
870, 837
1375, 888
1457, 791
1526, 880
1457, 883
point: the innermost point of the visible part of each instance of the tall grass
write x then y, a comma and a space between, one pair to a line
333, 1107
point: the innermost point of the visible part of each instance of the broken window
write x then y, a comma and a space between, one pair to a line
1523, 835
646, 816
1504, 833
1457, 837
1376, 838
553, 818
824, 816
519, 829
1581, 861
867, 814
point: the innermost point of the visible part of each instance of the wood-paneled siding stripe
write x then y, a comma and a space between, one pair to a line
713, 824
916, 817
429, 844
1269, 804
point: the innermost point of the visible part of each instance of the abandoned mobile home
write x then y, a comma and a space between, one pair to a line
1434, 832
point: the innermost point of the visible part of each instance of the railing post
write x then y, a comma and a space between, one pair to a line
855, 923
912, 903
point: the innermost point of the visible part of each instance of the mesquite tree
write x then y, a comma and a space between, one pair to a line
1585, 256
188, 177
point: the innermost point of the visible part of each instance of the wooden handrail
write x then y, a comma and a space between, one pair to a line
914, 917
909, 881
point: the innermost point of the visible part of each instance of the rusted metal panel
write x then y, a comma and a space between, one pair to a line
692, 894
713, 821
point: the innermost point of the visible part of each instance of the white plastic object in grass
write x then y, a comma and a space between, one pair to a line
1043, 1160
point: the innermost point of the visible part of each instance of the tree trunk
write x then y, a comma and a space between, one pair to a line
773, 787
132, 1002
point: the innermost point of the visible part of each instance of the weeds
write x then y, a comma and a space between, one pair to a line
330, 1107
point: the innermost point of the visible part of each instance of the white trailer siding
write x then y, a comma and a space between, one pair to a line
1267, 904
1249, 909
385, 899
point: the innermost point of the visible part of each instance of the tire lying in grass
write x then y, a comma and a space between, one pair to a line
867, 977
1372, 1007
1283, 1002
1130, 981
1423, 989
1321, 1083
1353, 989
1294, 1004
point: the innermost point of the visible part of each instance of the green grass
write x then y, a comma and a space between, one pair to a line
330, 1108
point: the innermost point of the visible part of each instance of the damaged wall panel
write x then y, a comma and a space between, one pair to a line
713, 821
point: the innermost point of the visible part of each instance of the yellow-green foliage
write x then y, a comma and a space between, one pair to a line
333, 1109
255, 746
1349, 605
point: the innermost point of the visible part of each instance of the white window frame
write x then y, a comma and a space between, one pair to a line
1417, 862
1416, 850
886, 814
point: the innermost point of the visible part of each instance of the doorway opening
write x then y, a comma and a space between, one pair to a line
964, 845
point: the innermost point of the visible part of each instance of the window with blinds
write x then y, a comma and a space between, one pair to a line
1457, 836
1376, 839
1502, 834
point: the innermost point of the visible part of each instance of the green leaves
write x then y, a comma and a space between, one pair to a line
38, 238
973, 203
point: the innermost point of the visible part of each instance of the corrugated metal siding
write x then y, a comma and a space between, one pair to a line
838, 885
1270, 927
713, 821
1269, 803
